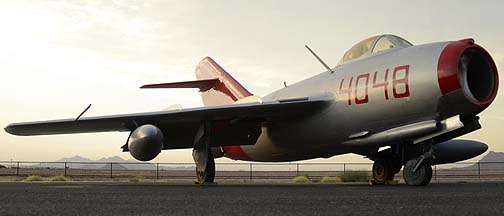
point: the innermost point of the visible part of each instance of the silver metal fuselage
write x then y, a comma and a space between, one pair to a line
324, 134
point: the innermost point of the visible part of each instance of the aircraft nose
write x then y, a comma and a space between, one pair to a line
467, 76
467, 66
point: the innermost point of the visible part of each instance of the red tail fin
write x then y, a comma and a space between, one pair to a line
227, 92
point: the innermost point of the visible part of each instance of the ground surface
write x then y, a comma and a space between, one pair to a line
81, 198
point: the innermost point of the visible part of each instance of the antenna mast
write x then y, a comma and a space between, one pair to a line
319, 59
82, 113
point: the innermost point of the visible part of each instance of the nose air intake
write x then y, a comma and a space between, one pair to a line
467, 78
476, 75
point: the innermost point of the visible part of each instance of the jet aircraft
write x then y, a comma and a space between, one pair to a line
397, 104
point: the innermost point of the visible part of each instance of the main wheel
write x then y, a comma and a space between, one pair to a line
209, 174
421, 177
382, 171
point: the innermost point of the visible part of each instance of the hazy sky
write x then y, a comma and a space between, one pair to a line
56, 57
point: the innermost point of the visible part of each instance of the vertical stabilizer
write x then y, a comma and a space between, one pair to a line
227, 92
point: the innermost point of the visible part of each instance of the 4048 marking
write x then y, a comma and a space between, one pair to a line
399, 79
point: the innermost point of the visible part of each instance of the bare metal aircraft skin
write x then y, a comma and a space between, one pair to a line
385, 92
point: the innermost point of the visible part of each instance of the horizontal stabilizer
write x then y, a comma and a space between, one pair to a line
203, 85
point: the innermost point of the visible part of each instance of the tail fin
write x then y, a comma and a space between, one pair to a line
226, 92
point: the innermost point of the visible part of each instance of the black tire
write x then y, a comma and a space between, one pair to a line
210, 168
421, 177
209, 175
382, 171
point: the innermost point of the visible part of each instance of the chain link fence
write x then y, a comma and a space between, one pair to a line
488, 171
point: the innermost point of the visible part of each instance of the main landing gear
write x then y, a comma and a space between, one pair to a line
203, 157
384, 170
417, 167
206, 175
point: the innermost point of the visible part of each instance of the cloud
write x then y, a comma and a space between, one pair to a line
130, 4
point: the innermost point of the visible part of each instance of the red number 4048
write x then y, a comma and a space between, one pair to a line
352, 91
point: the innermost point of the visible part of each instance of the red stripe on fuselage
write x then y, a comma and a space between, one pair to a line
235, 152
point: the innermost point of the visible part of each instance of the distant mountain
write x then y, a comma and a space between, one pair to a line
493, 160
115, 167
493, 157
116, 159
75, 158
78, 162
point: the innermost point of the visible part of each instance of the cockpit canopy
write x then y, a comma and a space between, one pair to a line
374, 45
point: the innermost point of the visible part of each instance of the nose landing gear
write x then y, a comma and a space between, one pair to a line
419, 177
418, 171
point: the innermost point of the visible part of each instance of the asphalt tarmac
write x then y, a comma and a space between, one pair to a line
76, 198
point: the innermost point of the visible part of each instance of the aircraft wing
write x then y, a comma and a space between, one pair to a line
175, 121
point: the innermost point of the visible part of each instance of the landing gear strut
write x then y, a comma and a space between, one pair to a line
202, 155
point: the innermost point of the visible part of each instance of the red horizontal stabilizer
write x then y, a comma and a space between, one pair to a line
203, 85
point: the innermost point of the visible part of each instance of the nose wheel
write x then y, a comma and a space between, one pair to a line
417, 173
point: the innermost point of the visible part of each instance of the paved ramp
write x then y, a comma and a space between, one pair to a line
248, 199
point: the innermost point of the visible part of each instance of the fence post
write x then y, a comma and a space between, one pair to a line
17, 169
297, 169
435, 172
110, 170
344, 167
65, 169
479, 170
157, 170
250, 175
